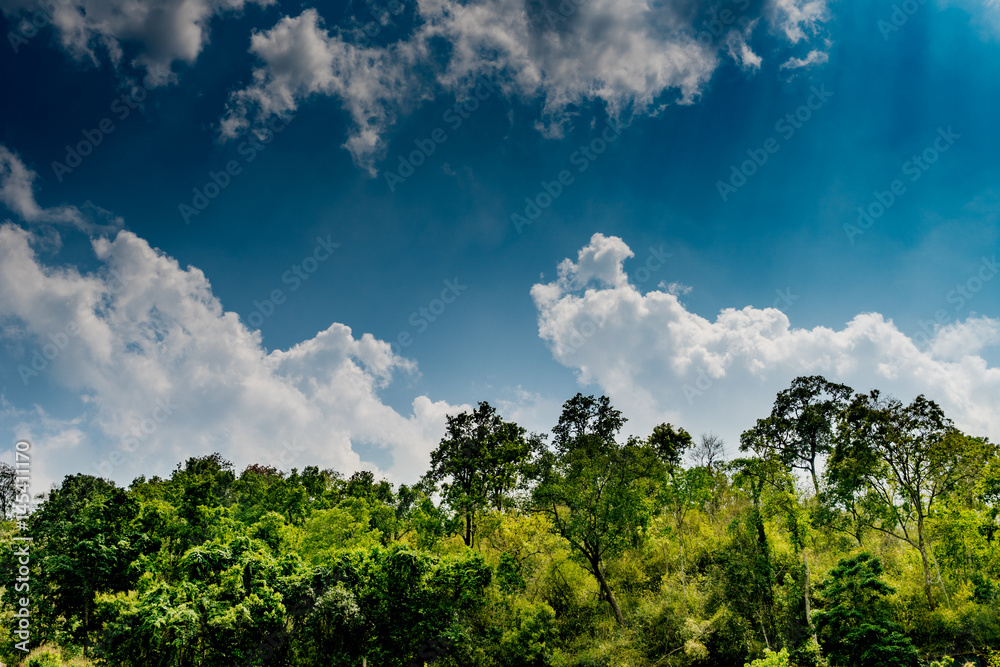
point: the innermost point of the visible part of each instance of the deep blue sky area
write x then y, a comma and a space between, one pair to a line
885, 96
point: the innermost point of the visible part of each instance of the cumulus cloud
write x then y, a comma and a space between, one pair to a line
658, 361
166, 373
163, 31
631, 56
17, 194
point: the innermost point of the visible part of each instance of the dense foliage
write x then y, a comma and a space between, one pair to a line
853, 531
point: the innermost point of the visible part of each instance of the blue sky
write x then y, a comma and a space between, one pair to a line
696, 301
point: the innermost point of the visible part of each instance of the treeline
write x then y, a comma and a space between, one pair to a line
853, 530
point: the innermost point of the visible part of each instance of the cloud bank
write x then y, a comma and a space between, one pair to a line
165, 373
660, 362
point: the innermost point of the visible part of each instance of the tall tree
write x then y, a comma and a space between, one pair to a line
755, 573
798, 433
596, 492
800, 429
681, 490
8, 489
709, 452
479, 462
899, 460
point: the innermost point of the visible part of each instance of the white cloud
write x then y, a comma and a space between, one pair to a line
157, 357
301, 59
814, 57
164, 31
632, 56
17, 194
660, 362
533, 411
798, 19
738, 46
676, 288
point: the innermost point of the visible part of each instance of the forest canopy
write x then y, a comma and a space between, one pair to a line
849, 529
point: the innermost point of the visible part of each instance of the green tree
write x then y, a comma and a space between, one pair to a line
223, 599
84, 544
800, 429
856, 627
682, 491
799, 432
598, 494
750, 567
479, 462
899, 461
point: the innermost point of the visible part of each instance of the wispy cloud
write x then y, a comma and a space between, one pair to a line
17, 194
631, 56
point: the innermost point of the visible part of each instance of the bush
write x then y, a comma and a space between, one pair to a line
771, 659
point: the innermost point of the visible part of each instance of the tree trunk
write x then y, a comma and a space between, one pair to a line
468, 529
606, 589
923, 557
684, 590
809, 623
937, 571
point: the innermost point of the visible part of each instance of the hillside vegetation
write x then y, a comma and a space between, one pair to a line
844, 529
